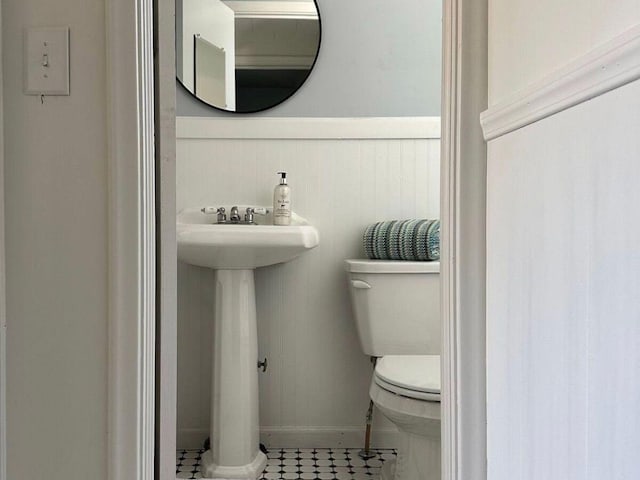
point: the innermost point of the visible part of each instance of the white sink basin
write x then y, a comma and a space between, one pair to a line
233, 252
203, 243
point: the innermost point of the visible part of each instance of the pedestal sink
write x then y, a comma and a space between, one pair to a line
234, 251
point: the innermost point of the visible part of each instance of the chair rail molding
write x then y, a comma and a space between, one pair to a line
132, 295
602, 69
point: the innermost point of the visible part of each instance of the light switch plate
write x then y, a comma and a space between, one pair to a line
46, 61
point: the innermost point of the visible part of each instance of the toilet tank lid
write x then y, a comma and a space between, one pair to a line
390, 266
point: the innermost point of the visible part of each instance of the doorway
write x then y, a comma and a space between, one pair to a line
464, 96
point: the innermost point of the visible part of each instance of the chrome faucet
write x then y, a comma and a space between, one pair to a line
234, 216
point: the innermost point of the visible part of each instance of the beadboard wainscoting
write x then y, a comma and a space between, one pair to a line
562, 255
344, 174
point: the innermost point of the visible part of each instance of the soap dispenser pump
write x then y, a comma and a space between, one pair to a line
282, 202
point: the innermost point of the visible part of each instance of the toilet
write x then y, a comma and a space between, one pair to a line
396, 305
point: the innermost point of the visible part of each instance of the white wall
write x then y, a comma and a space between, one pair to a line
562, 266
316, 388
529, 39
377, 59
56, 246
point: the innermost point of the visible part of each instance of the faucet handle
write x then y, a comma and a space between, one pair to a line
212, 210
248, 216
222, 216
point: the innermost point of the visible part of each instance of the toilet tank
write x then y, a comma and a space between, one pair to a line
396, 305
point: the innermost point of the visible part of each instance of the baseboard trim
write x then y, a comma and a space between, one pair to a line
302, 437
285, 128
605, 68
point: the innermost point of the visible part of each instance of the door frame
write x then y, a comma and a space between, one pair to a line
3, 312
463, 245
134, 240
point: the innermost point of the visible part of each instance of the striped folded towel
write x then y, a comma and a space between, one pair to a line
415, 240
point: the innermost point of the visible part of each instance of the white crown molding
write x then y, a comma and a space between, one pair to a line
283, 128
132, 295
275, 10
605, 68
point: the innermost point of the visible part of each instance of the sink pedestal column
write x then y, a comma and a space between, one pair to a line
235, 448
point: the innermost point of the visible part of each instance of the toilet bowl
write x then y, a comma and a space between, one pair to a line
396, 306
406, 390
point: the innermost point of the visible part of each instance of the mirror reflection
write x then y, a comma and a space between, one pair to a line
245, 55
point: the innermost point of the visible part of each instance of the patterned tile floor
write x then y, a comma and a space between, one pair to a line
302, 464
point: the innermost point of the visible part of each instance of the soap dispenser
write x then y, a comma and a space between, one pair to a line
282, 202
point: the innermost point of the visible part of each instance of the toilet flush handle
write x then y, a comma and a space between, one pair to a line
359, 284
262, 365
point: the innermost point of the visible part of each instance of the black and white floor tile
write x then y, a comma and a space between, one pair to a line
302, 464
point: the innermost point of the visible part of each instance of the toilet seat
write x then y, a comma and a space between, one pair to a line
412, 376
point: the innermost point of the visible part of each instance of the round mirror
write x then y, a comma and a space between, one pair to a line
245, 55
